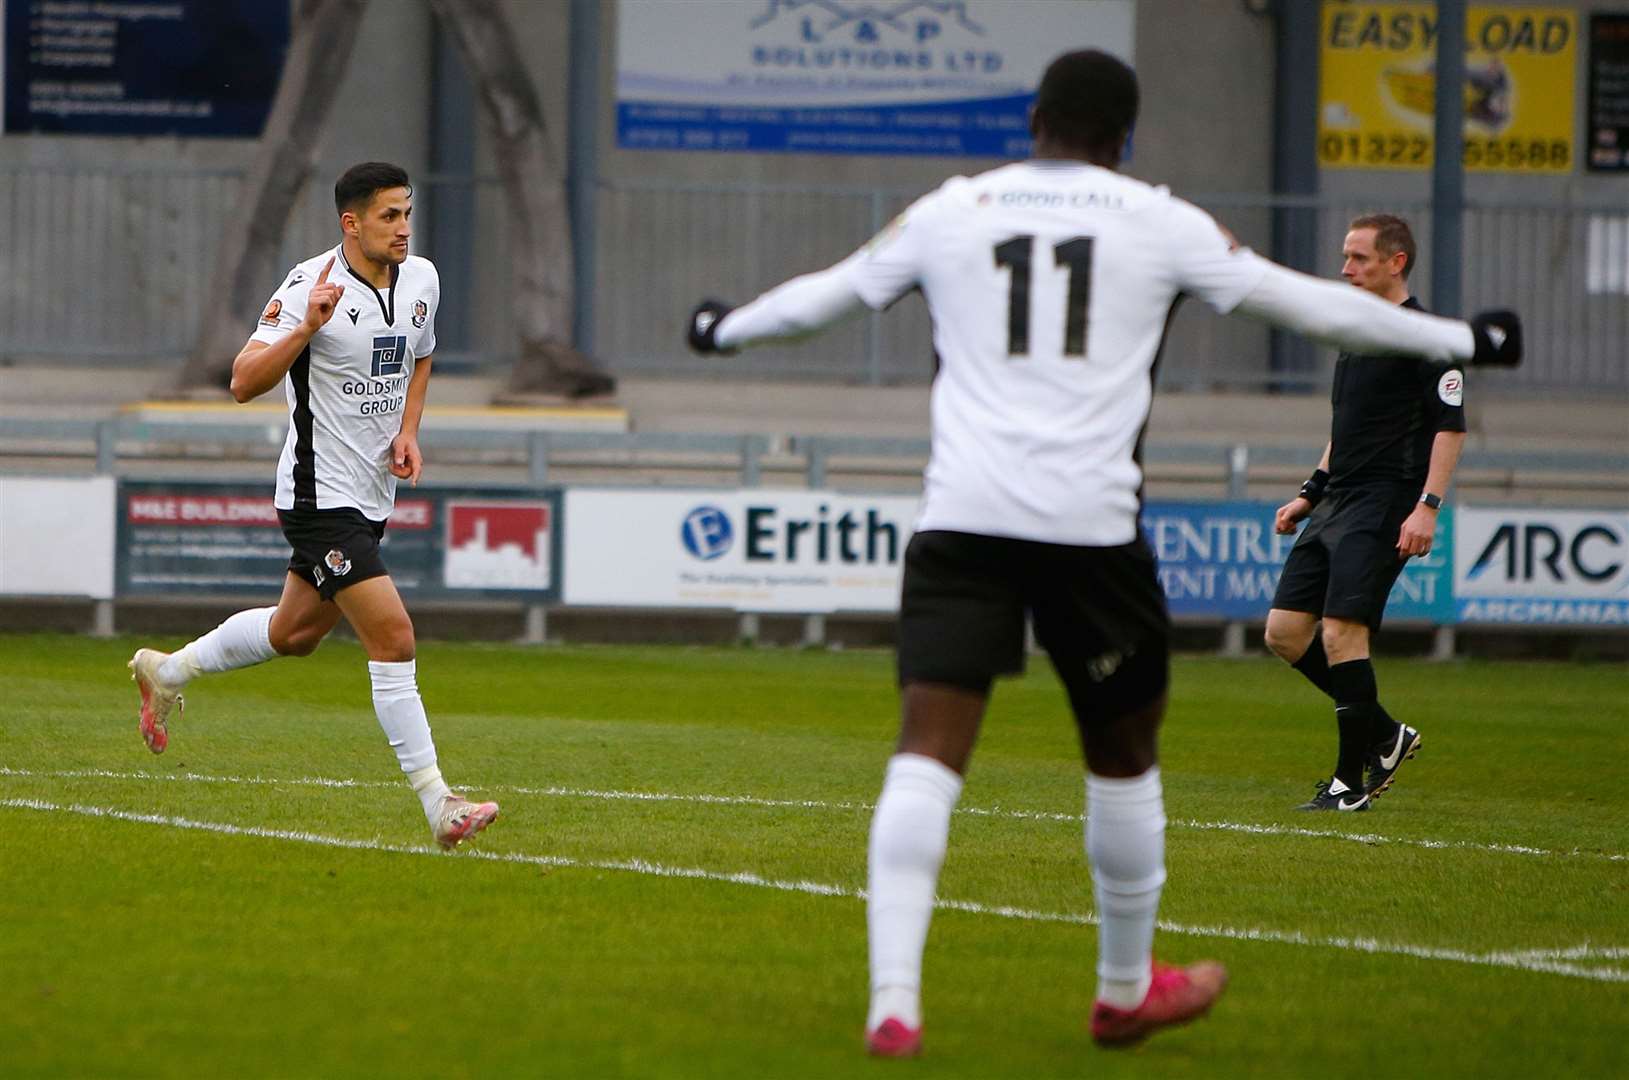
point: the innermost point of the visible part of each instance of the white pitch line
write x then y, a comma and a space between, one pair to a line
1541, 961
1369, 839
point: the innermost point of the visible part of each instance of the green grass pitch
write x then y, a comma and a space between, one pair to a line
672, 887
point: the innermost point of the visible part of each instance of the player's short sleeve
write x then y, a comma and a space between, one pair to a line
891, 263
286, 308
1207, 262
426, 343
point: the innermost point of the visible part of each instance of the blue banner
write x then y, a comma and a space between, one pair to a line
143, 67
1222, 560
943, 77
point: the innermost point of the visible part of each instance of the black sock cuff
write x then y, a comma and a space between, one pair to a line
1314, 664
1353, 682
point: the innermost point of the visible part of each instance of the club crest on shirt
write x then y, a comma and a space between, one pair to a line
421, 312
338, 564
273, 310
1451, 387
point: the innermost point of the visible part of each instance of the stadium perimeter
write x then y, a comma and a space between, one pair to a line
1504, 429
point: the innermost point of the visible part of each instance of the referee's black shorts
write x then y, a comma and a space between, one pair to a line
1345, 561
1099, 612
333, 548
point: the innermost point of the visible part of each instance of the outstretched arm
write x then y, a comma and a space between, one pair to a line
793, 309
875, 276
1352, 319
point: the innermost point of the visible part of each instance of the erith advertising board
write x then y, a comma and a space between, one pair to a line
757, 550
1377, 87
179, 537
1542, 567
820, 551
847, 76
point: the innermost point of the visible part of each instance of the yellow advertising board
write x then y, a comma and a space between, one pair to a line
1377, 86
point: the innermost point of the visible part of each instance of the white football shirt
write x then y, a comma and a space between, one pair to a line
348, 387
1050, 285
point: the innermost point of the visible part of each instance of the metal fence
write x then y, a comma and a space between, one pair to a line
111, 265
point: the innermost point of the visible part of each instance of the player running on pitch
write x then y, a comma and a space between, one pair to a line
1049, 283
356, 387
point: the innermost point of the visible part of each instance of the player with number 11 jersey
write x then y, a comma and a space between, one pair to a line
1050, 283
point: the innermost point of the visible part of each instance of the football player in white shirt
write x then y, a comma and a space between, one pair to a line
355, 387
1050, 283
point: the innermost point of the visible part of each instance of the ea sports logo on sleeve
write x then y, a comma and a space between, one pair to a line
707, 532
1451, 388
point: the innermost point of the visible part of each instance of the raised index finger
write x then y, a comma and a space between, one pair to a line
322, 277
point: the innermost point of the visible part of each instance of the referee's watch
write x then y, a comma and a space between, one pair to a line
1432, 502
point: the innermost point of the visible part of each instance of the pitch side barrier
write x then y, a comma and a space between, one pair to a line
736, 545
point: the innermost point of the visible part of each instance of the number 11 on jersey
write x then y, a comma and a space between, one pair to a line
1076, 254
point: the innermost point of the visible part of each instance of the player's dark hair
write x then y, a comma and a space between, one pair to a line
1087, 101
1391, 235
354, 189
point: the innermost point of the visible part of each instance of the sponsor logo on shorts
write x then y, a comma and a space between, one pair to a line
1451, 388
1101, 667
421, 312
273, 310
338, 564
316, 572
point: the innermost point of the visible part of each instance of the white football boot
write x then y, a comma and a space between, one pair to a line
458, 819
157, 699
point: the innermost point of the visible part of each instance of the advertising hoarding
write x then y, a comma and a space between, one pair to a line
755, 550
142, 67
846, 76
1377, 87
1539, 567
184, 537
812, 551
1222, 559
56, 536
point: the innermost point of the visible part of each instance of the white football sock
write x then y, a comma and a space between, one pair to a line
243, 640
400, 710
430, 788
1125, 842
909, 831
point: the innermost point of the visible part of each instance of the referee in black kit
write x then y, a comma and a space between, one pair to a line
1399, 425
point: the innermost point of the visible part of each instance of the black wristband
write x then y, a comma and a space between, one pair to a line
1315, 487
1432, 502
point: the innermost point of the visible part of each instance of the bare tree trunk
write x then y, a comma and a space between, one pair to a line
246, 260
539, 221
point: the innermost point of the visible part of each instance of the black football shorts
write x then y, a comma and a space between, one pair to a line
333, 548
1345, 561
1099, 613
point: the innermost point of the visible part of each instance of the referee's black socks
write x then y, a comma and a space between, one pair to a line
1314, 664
1358, 715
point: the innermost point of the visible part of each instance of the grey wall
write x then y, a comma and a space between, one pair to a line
1206, 68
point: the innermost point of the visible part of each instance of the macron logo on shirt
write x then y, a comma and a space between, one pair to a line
389, 353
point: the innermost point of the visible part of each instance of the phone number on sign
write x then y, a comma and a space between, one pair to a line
1403, 151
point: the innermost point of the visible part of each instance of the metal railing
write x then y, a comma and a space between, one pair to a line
535, 458
109, 265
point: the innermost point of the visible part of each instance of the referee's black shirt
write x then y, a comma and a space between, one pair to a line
1387, 411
